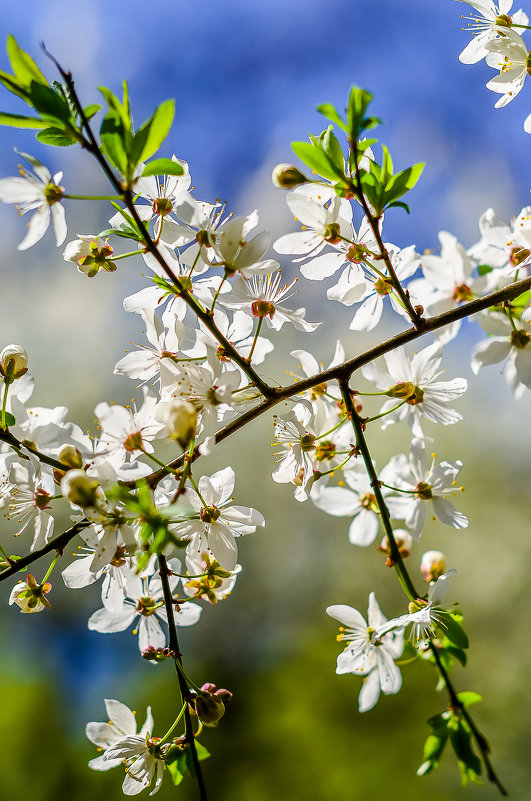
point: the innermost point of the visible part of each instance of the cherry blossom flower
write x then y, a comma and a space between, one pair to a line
25, 496
145, 605
260, 297
508, 343
40, 193
363, 657
120, 743
356, 500
509, 55
127, 433
217, 523
414, 381
490, 23
426, 484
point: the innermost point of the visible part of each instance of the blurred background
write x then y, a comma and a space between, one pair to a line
247, 78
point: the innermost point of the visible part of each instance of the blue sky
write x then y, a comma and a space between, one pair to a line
247, 78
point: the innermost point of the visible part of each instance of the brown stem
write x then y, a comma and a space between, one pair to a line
164, 573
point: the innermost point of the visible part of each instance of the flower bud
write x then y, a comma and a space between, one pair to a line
153, 654
13, 363
208, 704
286, 176
404, 541
79, 488
432, 565
30, 596
71, 457
181, 421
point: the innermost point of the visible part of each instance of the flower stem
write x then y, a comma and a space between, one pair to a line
4, 404
183, 687
172, 727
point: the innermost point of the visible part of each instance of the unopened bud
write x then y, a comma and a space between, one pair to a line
13, 363
79, 488
286, 176
404, 541
432, 565
208, 704
71, 457
181, 420
153, 654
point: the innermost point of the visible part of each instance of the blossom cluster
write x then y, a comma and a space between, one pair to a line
161, 536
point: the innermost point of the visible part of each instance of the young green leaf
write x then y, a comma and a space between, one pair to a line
152, 134
22, 64
19, 121
163, 167
56, 137
314, 156
331, 113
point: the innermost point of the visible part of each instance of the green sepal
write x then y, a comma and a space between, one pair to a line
10, 420
163, 167
19, 121
161, 282
152, 134
23, 66
57, 137
331, 113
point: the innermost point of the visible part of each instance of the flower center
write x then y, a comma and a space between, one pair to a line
325, 450
263, 308
518, 255
53, 194
307, 442
424, 491
331, 233
368, 501
41, 498
520, 339
383, 286
356, 253
134, 442
209, 514
503, 20
408, 391
462, 292
162, 206
146, 605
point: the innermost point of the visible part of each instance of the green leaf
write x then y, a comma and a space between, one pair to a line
121, 108
456, 653
399, 204
402, 182
331, 113
469, 762
112, 140
468, 698
19, 121
91, 110
22, 64
484, 269
49, 102
56, 137
174, 768
316, 159
333, 149
153, 133
13, 85
163, 167
10, 420
433, 749
453, 630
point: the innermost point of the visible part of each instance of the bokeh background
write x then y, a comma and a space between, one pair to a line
247, 78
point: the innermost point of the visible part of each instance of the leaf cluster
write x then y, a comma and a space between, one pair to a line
378, 183
451, 726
